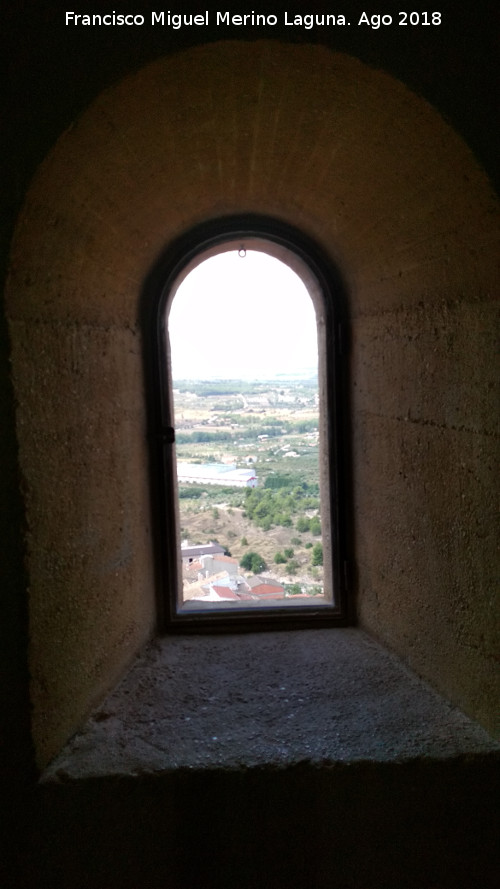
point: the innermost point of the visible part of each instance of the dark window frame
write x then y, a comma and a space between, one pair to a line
177, 258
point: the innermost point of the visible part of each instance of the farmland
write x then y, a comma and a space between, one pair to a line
271, 427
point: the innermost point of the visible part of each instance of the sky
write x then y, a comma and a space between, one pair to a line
239, 317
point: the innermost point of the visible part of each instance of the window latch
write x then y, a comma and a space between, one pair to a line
167, 434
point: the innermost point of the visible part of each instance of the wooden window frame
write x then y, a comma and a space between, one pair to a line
179, 258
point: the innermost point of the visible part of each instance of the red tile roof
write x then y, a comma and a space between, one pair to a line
225, 592
269, 591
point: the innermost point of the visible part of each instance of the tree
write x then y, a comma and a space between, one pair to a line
293, 566
284, 520
289, 553
279, 558
315, 527
262, 509
252, 561
258, 563
303, 524
317, 554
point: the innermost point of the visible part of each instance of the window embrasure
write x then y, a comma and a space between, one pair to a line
246, 380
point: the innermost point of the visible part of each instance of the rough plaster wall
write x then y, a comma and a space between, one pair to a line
429, 577
82, 434
374, 174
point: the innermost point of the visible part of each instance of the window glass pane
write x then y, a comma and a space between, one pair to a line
243, 344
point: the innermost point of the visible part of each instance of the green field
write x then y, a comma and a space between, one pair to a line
273, 428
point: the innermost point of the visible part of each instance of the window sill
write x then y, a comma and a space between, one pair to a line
266, 700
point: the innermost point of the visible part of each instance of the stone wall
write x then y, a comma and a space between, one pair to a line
395, 198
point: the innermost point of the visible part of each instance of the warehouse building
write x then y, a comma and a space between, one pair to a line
216, 474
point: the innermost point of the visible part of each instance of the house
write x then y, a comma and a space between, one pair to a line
265, 588
211, 563
190, 553
221, 586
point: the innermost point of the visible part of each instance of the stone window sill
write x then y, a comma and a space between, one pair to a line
316, 697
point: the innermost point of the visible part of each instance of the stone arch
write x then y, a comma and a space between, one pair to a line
376, 177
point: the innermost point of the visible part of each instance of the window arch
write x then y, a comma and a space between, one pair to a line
255, 596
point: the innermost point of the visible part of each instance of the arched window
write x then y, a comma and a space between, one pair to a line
248, 473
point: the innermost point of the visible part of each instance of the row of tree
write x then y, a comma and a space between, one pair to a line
271, 429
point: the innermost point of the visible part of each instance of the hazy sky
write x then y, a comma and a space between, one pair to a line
235, 317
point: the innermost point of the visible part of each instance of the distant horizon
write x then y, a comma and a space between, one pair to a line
302, 375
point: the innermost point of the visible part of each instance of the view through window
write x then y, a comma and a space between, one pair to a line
243, 336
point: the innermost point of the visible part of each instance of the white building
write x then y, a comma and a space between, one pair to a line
216, 474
